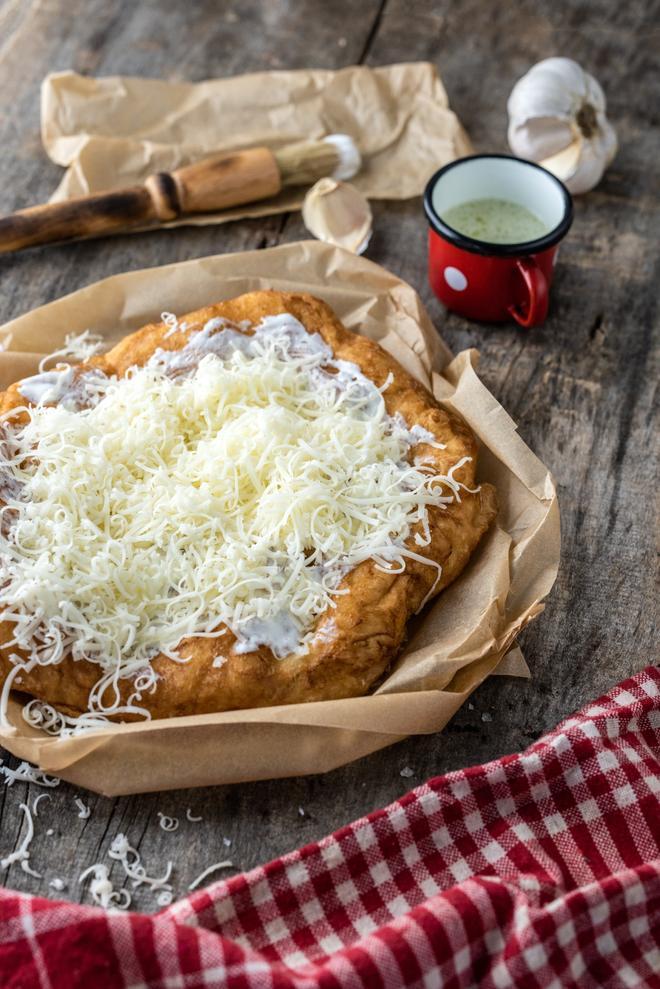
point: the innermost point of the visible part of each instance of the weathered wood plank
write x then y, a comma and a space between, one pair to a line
581, 387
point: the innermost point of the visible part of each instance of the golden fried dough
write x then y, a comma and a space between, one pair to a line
369, 623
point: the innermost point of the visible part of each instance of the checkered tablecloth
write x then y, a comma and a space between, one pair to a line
537, 870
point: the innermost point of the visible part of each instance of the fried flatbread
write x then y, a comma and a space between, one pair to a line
369, 623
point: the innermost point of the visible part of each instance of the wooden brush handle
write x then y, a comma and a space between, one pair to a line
212, 184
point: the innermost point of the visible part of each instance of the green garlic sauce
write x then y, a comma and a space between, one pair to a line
496, 221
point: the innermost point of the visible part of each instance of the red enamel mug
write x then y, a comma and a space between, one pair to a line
493, 282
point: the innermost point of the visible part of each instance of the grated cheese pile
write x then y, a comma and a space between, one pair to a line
231, 483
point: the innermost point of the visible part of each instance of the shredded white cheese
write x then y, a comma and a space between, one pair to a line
39, 714
129, 857
83, 809
191, 817
229, 484
167, 823
59, 384
103, 892
77, 346
35, 802
171, 322
207, 872
25, 773
22, 853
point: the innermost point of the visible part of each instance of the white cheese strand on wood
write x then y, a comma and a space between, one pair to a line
83, 809
25, 773
35, 802
232, 483
22, 853
207, 872
129, 857
103, 892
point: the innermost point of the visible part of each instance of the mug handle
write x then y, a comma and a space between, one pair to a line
537, 288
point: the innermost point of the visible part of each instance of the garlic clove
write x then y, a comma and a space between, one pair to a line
337, 213
564, 163
540, 137
581, 165
557, 117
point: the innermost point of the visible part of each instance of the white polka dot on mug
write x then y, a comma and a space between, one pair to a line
455, 278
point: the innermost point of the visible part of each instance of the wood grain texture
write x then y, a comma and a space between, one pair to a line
581, 387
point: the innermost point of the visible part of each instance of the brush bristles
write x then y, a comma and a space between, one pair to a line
306, 162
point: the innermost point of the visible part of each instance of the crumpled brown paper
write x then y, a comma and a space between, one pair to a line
115, 131
459, 639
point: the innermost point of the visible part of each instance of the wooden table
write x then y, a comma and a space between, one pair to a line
580, 388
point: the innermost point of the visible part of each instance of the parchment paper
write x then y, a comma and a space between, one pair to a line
453, 645
116, 131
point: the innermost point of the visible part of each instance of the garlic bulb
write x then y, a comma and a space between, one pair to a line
338, 213
557, 118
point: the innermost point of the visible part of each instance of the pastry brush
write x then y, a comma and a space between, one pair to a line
208, 185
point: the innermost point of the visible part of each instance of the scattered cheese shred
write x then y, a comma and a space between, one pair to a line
83, 809
103, 892
101, 887
207, 872
35, 802
22, 853
229, 484
123, 852
26, 773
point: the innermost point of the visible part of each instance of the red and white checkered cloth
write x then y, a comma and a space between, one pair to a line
536, 870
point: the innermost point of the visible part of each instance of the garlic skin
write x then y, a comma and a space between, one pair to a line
337, 213
557, 118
